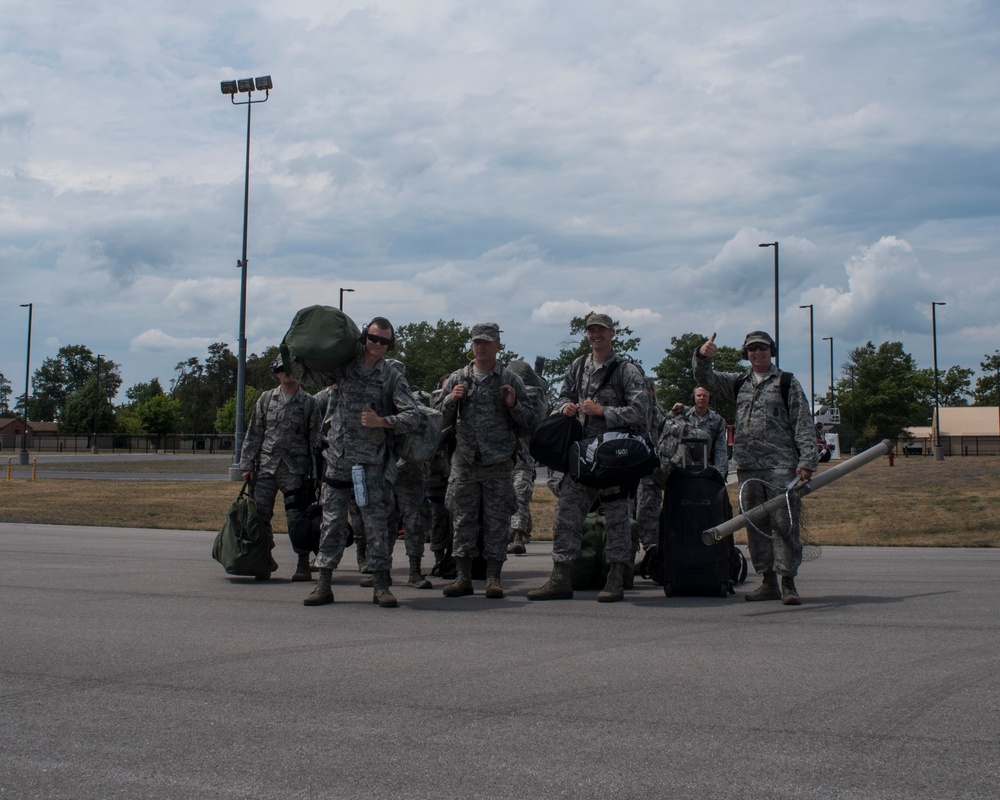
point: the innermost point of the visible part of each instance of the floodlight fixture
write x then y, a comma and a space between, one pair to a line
229, 87
264, 83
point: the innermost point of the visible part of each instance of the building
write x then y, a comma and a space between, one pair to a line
965, 431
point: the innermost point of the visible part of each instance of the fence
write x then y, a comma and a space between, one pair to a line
954, 446
120, 443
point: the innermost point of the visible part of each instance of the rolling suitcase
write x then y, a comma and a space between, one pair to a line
695, 499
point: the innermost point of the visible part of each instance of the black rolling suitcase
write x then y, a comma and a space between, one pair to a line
695, 499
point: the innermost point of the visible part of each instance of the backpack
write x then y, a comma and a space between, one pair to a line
784, 384
613, 458
419, 445
319, 340
242, 545
551, 442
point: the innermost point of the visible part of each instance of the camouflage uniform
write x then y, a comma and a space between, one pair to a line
524, 487
769, 444
480, 487
348, 443
649, 496
626, 400
411, 513
282, 442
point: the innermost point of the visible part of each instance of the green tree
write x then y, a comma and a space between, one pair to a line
5, 392
988, 383
954, 386
258, 372
225, 419
576, 344
143, 391
191, 389
88, 409
160, 415
431, 351
674, 375
59, 378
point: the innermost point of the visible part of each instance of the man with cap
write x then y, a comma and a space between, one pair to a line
608, 392
489, 408
282, 451
774, 444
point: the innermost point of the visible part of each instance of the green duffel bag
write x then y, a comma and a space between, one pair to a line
319, 340
242, 545
589, 571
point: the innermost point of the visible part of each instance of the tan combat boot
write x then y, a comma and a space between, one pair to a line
558, 586
321, 594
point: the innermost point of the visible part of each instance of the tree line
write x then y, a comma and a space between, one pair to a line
880, 393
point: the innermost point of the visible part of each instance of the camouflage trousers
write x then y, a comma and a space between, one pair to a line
337, 503
265, 491
648, 503
440, 524
524, 487
481, 498
410, 509
775, 545
574, 503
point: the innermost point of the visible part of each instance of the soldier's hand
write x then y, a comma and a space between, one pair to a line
592, 408
708, 349
458, 392
571, 409
677, 409
508, 394
371, 419
804, 474
247, 475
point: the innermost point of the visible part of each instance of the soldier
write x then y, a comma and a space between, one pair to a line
524, 469
774, 443
372, 400
281, 451
489, 407
610, 393
649, 496
701, 422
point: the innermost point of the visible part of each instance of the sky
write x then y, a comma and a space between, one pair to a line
520, 162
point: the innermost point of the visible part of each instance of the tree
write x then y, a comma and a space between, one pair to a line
954, 386
576, 345
221, 367
192, 391
88, 410
160, 415
225, 419
58, 378
675, 381
258, 371
5, 392
143, 391
431, 351
988, 383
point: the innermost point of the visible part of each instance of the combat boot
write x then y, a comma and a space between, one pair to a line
558, 586
613, 591
361, 546
516, 547
789, 594
321, 594
462, 585
302, 572
416, 579
768, 589
382, 595
369, 580
494, 589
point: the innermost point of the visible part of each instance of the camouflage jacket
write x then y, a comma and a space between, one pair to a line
288, 430
486, 430
766, 435
625, 397
381, 388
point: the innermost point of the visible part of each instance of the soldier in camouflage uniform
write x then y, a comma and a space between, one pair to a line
649, 496
524, 470
489, 407
372, 400
773, 444
701, 422
280, 451
618, 404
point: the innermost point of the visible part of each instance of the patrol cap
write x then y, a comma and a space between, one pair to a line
758, 337
486, 332
277, 366
600, 319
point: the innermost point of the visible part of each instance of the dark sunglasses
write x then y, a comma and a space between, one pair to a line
756, 348
379, 340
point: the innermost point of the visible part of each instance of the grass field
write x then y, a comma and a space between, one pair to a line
918, 502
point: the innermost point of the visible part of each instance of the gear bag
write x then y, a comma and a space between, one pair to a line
551, 442
613, 458
242, 545
319, 340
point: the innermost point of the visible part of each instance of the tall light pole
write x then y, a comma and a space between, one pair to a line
833, 398
22, 457
812, 363
342, 297
938, 452
854, 430
776, 337
97, 402
232, 88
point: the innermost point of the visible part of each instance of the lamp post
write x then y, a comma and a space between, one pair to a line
938, 450
854, 430
97, 402
22, 457
232, 88
776, 337
833, 398
342, 297
812, 363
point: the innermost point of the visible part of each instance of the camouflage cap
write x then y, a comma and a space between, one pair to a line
277, 366
600, 319
486, 332
761, 337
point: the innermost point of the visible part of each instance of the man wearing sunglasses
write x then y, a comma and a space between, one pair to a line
372, 400
774, 443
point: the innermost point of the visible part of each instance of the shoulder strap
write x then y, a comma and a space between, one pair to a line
608, 373
784, 384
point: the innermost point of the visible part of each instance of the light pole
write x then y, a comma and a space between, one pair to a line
854, 430
776, 337
833, 398
232, 88
812, 363
97, 402
22, 457
342, 297
938, 450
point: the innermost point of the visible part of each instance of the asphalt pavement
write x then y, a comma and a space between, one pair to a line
132, 666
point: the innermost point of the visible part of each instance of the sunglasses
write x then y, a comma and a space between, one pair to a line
756, 348
379, 340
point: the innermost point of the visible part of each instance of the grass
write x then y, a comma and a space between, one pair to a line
918, 502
